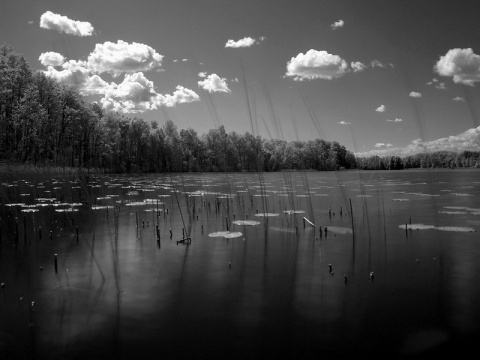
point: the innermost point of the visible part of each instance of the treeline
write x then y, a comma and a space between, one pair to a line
439, 159
43, 122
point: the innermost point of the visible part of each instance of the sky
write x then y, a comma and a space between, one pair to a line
378, 76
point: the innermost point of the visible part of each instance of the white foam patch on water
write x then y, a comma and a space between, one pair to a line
461, 194
246, 222
29, 210
294, 211
400, 199
225, 234
365, 196
441, 228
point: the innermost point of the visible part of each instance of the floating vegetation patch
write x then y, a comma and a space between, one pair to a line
266, 214
339, 230
246, 222
152, 201
294, 211
136, 203
461, 210
226, 196
455, 212
455, 228
432, 227
225, 234
46, 199
421, 194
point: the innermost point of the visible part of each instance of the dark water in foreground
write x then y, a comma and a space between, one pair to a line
119, 293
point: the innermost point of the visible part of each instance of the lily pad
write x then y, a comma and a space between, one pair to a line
225, 234
246, 222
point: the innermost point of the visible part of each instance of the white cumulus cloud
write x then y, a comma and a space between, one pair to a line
437, 84
245, 42
415, 94
60, 23
381, 108
120, 57
463, 65
316, 65
376, 63
181, 95
213, 83
466, 141
383, 145
358, 66
76, 73
51, 58
337, 24
137, 94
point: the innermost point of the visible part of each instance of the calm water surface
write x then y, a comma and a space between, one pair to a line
403, 283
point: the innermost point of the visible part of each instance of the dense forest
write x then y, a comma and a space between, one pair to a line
44, 122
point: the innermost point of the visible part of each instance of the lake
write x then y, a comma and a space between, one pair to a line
241, 265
